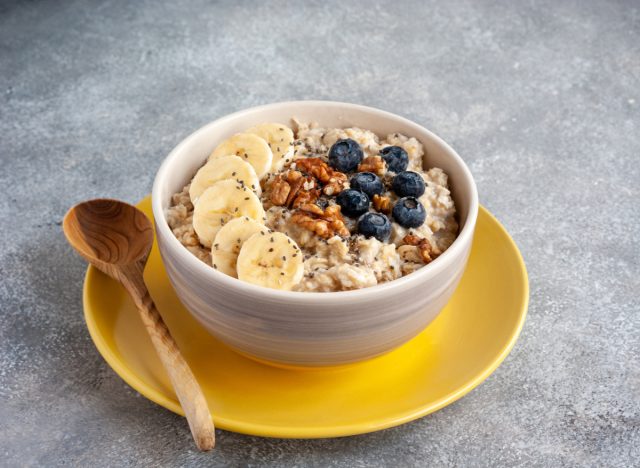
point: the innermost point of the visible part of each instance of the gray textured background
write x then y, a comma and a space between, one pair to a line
541, 98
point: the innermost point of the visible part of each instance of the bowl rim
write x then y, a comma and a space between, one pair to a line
422, 275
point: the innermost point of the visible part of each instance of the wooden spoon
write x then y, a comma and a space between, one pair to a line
116, 238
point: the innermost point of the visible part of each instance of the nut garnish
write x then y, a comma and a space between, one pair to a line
334, 181
313, 209
427, 252
411, 239
305, 196
382, 204
373, 164
324, 223
280, 190
293, 189
335, 185
295, 180
410, 253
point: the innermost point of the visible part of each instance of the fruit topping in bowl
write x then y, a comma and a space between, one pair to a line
315, 209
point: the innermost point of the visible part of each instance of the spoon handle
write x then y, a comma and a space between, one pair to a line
184, 383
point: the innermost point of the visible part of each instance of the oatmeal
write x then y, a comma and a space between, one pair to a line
315, 209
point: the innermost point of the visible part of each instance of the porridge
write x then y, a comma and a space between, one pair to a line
315, 209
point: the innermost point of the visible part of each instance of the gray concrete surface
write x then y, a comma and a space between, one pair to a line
542, 99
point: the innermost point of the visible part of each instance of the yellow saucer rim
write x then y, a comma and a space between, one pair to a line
275, 431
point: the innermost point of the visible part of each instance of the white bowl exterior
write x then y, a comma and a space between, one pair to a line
312, 329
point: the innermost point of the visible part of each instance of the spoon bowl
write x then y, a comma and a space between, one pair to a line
109, 231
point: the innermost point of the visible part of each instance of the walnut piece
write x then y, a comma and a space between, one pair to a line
382, 204
293, 189
312, 209
318, 226
373, 164
411, 239
335, 185
324, 223
409, 253
296, 181
334, 181
280, 191
427, 252
305, 196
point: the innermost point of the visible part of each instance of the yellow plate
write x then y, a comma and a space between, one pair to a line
460, 349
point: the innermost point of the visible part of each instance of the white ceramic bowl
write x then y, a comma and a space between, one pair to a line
304, 328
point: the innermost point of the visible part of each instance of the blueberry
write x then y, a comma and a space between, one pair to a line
353, 202
367, 182
374, 225
345, 155
396, 158
408, 184
409, 212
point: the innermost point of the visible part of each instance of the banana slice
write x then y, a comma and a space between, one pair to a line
280, 140
272, 260
229, 240
249, 147
219, 204
224, 167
